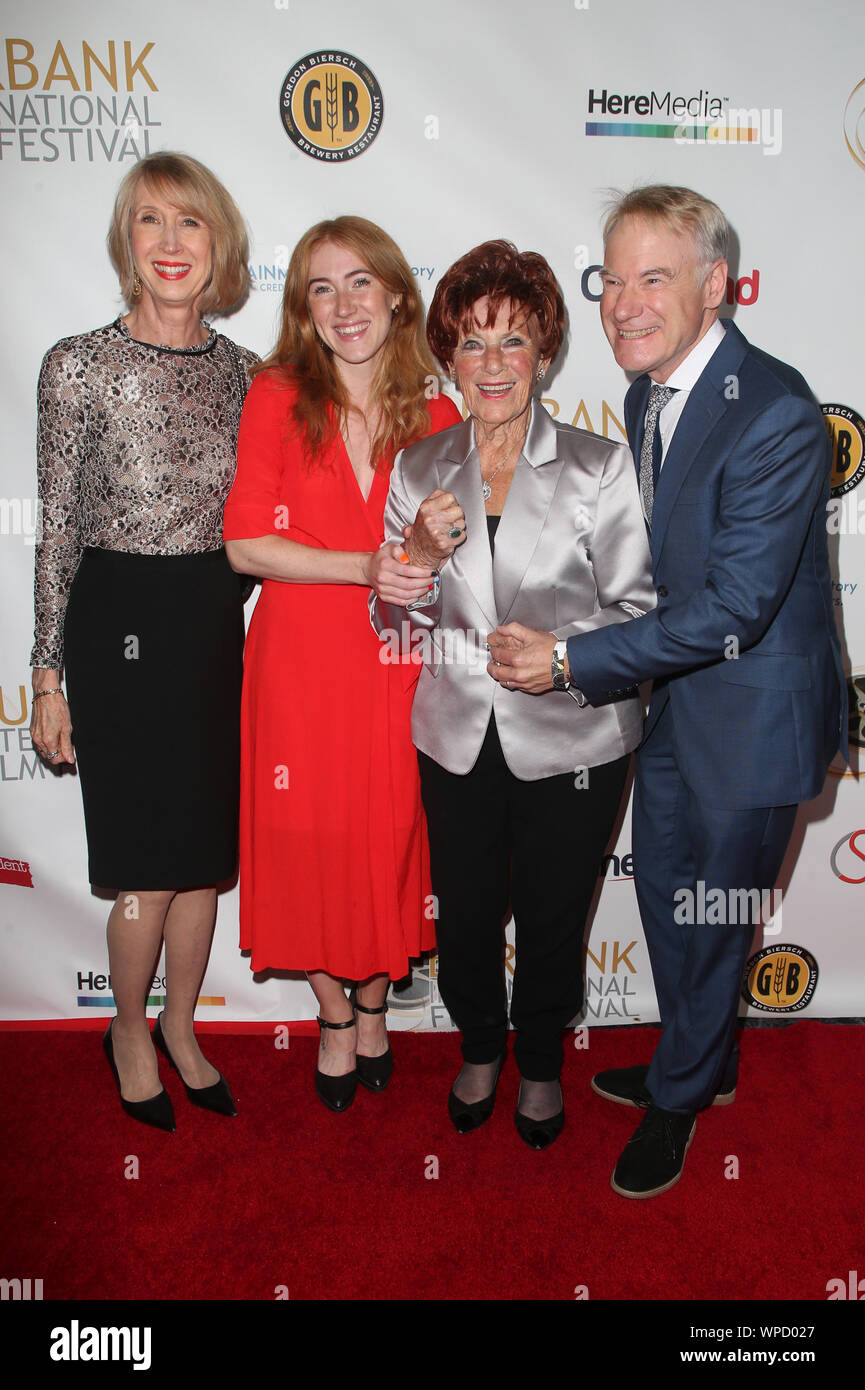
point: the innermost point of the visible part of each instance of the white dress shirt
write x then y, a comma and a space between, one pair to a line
684, 379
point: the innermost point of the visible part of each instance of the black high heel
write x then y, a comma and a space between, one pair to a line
157, 1111
374, 1072
539, 1134
337, 1092
217, 1097
467, 1116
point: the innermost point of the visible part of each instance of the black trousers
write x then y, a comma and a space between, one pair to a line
494, 837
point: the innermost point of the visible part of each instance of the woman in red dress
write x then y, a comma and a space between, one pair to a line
333, 851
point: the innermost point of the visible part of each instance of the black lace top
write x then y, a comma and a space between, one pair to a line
136, 452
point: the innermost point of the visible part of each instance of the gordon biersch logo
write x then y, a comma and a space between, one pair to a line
847, 432
780, 979
331, 106
848, 857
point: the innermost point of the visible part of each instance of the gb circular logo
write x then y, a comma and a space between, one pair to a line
780, 979
847, 433
331, 106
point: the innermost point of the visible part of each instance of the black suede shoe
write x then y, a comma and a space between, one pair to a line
157, 1111
469, 1115
627, 1086
217, 1098
539, 1134
653, 1158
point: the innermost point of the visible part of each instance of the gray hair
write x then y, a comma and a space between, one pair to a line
680, 209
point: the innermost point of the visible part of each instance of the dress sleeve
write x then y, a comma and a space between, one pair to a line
62, 421
257, 500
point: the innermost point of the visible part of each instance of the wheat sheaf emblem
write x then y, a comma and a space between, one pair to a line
778, 982
331, 116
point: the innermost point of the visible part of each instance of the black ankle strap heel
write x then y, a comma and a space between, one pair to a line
374, 1072
337, 1092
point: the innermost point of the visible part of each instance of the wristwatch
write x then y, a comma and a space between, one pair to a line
558, 666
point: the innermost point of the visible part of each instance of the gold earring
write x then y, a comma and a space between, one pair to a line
136, 285
541, 373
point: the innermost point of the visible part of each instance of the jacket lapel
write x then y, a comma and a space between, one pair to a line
706, 405
636, 402
459, 472
526, 509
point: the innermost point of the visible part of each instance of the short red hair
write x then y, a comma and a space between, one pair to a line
498, 270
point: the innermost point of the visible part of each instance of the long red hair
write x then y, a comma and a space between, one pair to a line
406, 372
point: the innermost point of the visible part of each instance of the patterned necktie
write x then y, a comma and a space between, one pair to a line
650, 453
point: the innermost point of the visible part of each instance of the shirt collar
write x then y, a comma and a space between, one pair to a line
688, 373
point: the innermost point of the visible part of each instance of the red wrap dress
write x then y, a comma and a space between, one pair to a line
334, 868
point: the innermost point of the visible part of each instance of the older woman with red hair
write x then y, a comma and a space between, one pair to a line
530, 520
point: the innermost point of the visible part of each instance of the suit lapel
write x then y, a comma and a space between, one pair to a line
525, 512
459, 472
695, 424
636, 402
706, 405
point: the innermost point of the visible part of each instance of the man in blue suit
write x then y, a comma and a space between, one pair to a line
748, 705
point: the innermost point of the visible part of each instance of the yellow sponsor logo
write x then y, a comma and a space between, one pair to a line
780, 979
331, 106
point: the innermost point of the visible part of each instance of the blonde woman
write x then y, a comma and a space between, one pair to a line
137, 433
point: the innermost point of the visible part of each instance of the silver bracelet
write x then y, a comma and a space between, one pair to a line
558, 666
39, 693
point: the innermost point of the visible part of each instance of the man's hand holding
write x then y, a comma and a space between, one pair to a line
522, 658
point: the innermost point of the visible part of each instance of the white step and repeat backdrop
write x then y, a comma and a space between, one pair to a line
447, 124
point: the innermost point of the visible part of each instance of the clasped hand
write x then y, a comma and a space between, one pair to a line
521, 658
402, 574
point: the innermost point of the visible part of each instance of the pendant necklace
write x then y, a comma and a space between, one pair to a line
486, 489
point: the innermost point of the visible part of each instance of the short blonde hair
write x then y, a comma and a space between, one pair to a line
187, 184
680, 209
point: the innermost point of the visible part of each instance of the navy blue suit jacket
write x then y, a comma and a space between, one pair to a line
740, 564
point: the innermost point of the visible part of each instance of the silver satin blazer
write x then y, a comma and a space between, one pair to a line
571, 554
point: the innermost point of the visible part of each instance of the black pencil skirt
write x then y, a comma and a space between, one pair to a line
154, 649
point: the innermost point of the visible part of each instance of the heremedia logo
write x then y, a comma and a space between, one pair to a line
695, 118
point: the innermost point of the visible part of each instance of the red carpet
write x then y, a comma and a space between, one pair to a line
340, 1207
